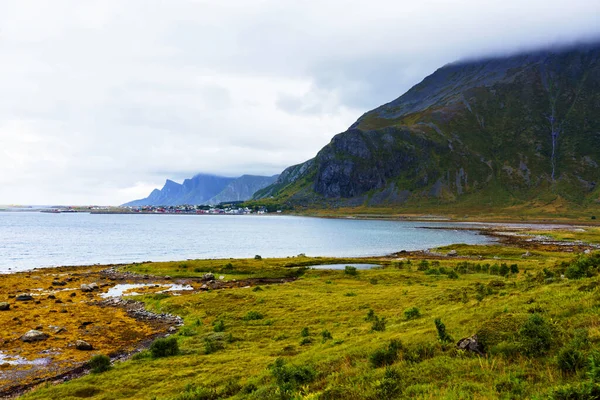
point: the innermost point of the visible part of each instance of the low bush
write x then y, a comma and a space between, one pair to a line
412, 313
570, 359
253, 316
378, 324
257, 257
164, 347
441, 330
305, 332
218, 325
326, 335
289, 377
385, 356
390, 386
211, 345
99, 363
350, 270
535, 336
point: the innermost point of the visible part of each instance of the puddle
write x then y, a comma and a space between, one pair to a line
17, 360
343, 266
118, 290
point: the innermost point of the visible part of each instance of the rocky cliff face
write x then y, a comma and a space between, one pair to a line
514, 127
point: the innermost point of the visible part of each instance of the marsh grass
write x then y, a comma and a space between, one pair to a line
524, 321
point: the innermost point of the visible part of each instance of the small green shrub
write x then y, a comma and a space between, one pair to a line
164, 347
305, 341
412, 313
385, 356
504, 270
593, 370
326, 335
514, 269
99, 363
304, 332
378, 324
289, 377
211, 345
187, 331
257, 257
253, 316
218, 325
441, 331
535, 336
570, 360
257, 289
390, 386
582, 391
452, 275
350, 270
370, 315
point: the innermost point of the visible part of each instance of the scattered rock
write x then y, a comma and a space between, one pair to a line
83, 345
58, 301
221, 277
58, 283
172, 329
84, 324
452, 253
527, 254
4, 306
587, 251
204, 287
24, 297
73, 294
471, 344
208, 277
167, 278
57, 329
86, 288
94, 286
34, 336
51, 296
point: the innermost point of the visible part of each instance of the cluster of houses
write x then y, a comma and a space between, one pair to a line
187, 209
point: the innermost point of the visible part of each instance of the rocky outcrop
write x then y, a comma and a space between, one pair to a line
4, 306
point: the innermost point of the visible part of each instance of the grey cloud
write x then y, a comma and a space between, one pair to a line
104, 99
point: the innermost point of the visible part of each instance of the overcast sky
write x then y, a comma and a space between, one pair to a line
101, 101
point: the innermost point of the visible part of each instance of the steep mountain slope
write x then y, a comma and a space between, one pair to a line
197, 190
498, 131
205, 189
243, 188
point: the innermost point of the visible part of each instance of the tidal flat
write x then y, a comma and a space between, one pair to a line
275, 328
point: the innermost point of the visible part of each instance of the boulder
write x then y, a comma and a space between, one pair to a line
452, 253
24, 297
58, 283
208, 277
34, 336
4, 306
83, 345
470, 344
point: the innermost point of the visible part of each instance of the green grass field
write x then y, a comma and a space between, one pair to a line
336, 335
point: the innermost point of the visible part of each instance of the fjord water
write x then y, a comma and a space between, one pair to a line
32, 239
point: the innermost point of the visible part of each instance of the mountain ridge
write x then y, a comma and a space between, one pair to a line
516, 128
205, 189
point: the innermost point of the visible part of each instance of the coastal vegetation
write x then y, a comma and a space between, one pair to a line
534, 324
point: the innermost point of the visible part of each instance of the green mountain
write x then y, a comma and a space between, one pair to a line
497, 132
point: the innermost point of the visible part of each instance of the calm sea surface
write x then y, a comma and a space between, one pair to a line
32, 239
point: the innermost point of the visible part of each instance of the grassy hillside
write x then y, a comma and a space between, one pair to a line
372, 334
495, 133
